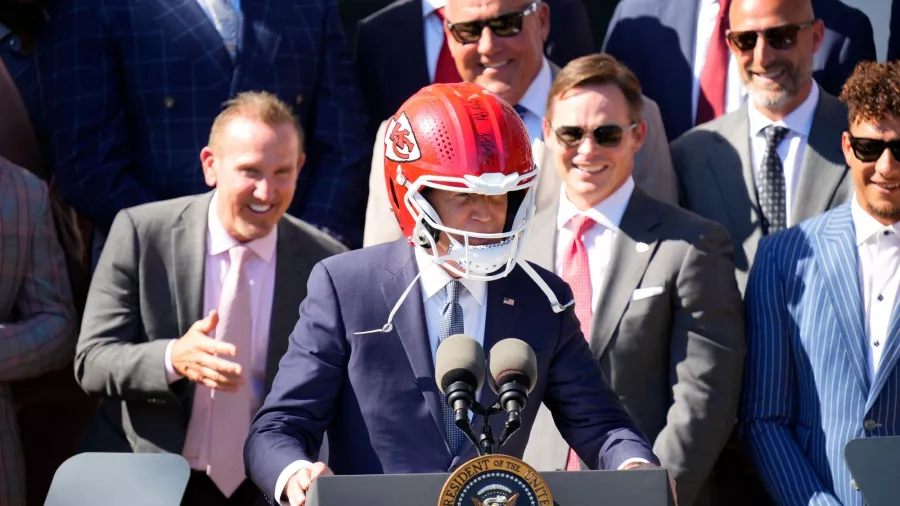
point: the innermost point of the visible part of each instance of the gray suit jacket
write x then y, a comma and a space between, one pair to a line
668, 332
653, 172
147, 290
712, 162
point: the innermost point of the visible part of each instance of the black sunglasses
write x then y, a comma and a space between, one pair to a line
505, 25
870, 150
779, 37
608, 136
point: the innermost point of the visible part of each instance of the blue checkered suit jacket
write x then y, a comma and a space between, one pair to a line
807, 390
132, 88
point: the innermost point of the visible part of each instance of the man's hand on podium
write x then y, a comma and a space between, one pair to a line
299, 483
647, 465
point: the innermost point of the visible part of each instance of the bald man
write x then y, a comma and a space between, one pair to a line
776, 160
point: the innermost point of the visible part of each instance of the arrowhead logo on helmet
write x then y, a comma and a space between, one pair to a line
399, 143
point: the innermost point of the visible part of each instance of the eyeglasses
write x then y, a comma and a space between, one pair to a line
607, 136
779, 37
870, 150
505, 25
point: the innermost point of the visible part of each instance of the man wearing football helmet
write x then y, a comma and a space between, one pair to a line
360, 364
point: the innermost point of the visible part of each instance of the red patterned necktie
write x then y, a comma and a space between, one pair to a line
711, 100
576, 271
446, 68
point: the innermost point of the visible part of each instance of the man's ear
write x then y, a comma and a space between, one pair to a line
208, 162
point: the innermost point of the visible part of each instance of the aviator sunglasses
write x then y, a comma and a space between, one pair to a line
607, 136
779, 37
870, 150
505, 25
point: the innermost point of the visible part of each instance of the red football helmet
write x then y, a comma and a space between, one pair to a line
460, 137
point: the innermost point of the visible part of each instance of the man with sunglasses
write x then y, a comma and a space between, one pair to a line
687, 67
498, 44
823, 320
426, 56
653, 283
773, 162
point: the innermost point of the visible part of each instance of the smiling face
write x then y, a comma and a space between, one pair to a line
254, 168
778, 80
592, 172
503, 65
877, 183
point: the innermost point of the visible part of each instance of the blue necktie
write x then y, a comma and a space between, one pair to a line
452, 323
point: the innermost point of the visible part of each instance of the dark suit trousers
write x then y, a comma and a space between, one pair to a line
201, 491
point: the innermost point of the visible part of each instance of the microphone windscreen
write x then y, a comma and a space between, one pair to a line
459, 358
512, 359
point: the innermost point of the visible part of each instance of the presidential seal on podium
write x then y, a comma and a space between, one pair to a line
495, 480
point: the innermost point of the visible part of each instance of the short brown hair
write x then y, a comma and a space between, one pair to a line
258, 105
598, 69
872, 92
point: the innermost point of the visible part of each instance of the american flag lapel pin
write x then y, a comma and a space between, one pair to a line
508, 301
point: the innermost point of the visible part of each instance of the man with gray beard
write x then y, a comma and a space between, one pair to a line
776, 161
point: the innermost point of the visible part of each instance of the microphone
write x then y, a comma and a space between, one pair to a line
460, 366
513, 366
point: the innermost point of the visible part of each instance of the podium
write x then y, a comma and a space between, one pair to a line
873, 464
637, 487
135, 479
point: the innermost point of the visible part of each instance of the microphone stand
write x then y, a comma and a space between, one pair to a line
487, 444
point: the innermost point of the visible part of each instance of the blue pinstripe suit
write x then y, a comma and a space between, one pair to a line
807, 390
134, 85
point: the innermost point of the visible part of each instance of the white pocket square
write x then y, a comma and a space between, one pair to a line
643, 293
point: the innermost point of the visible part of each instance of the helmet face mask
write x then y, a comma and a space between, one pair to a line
460, 138
487, 261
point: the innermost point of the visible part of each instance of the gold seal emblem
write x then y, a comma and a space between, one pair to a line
495, 480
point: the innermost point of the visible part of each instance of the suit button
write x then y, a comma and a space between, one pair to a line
299, 99
169, 102
853, 485
870, 424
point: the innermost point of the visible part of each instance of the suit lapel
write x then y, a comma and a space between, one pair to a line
737, 186
823, 167
626, 268
684, 22
188, 20
837, 259
292, 268
410, 326
189, 261
412, 75
261, 38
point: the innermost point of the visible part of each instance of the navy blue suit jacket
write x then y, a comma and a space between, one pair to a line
807, 390
655, 39
376, 396
134, 85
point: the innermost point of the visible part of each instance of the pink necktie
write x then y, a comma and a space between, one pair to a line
577, 273
231, 411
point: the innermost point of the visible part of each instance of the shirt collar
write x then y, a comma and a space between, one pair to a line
429, 6
535, 97
607, 212
866, 226
221, 241
434, 278
799, 121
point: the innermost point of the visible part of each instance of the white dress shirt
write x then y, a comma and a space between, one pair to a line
879, 278
599, 239
535, 101
237, 8
434, 34
260, 270
735, 93
792, 147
